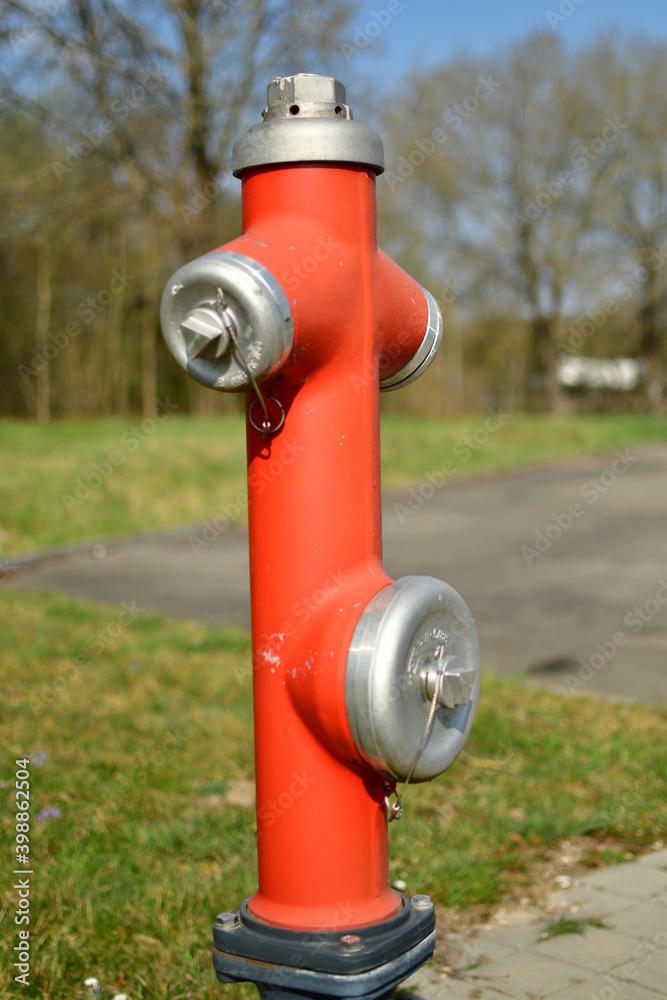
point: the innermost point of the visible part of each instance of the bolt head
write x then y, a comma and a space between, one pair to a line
421, 902
227, 921
453, 684
351, 943
305, 95
456, 687
204, 334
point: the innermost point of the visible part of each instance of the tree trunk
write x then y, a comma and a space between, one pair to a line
542, 388
42, 323
455, 369
148, 364
121, 378
651, 348
202, 399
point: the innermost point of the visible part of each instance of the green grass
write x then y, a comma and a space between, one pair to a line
184, 470
570, 925
137, 729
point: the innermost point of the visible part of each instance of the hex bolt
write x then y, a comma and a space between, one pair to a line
350, 943
454, 686
306, 95
421, 902
227, 921
204, 333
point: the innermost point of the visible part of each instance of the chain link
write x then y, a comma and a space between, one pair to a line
395, 809
230, 327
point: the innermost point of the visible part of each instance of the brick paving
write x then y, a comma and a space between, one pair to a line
625, 959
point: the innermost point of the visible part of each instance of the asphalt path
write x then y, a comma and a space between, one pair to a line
564, 569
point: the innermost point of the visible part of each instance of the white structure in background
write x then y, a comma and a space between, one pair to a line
593, 373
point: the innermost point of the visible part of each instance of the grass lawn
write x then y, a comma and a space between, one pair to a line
139, 732
178, 470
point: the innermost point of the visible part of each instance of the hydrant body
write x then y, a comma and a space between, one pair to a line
315, 540
352, 319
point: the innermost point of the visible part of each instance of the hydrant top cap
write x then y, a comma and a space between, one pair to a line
306, 95
306, 120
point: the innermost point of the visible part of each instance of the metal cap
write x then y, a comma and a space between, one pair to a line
224, 315
428, 349
306, 95
306, 120
416, 629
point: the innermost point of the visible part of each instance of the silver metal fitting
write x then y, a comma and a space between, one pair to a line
205, 334
306, 95
227, 321
448, 682
414, 627
421, 902
228, 920
306, 120
350, 943
428, 349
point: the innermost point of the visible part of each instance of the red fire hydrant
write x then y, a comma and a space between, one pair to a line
359, 682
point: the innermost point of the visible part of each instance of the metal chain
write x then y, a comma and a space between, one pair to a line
427, 730
395, 809
230, 327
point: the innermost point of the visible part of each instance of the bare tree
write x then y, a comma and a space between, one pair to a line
496, 158
635, 71
149, 97
163, 87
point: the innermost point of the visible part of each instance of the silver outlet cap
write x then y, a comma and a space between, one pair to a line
413, 631
423, 358
224, 315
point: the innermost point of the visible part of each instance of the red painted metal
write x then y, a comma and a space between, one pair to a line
315, 538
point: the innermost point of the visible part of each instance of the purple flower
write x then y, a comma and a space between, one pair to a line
51, 812
38, 758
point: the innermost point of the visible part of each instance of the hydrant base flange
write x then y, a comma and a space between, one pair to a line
381, 956
289, 983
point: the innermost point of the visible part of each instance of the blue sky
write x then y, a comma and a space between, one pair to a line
425, 32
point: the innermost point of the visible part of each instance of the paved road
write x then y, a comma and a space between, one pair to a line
625, 959
564, 569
